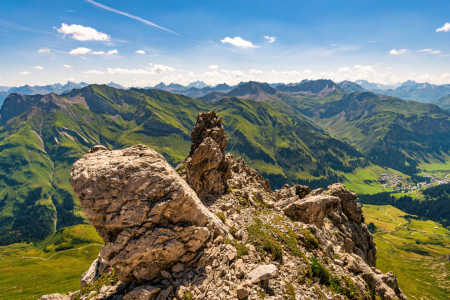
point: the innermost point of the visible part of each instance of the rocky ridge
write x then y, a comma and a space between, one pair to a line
214, 229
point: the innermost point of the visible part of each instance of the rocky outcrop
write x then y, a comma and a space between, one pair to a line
207, 170
164, 242
147, 215
97, 269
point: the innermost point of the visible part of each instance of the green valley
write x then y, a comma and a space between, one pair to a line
30, 270
416, 251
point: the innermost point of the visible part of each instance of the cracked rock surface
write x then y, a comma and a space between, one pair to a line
147, 215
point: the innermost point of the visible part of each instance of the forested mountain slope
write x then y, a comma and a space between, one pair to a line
42, 137
392, 132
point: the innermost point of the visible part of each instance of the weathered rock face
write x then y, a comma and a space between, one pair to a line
339, 206
147, 215
207, 170
161, 237
312, 210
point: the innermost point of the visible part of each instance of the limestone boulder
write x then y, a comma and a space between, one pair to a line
147, 215
312, 210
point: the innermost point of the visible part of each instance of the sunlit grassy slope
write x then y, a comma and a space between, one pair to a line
28, 271
412, 250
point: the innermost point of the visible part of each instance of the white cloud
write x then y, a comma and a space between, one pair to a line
255, 72
214, 74
239, 42
43, 50
80, 51
158, 69
213, 67
270, 38
273, 72
119, 71
291, 73
237, 74
94, 72
395, 52
98, 52
155, 70
113, 52
82, 33
24, 73
442, 79
345, 70
67, 67
140, 52
445, 28
431, 51
39, 68
307, 71
225, 71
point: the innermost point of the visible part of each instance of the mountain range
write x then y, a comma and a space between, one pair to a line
309, 133
46, 89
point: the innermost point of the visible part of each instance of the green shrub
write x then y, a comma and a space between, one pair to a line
188, 296
241, 250
233, 231
261, 295
62, 248
221, 216
106, 279
310, 239
320, 271
336, 256
290, 290
260, 236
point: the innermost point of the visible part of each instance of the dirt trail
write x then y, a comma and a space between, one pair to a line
25, 257
386, 213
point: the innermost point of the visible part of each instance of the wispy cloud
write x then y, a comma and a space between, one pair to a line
255, 72
43, 50
129, 15
270, 38
445, 28
398, 52
84, 51
94, 72
68, 67
39, 68
24, 73
431, 51
213, 67
140, 52
239, 42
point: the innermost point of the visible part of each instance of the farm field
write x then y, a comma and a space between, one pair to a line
413, 250
28, 271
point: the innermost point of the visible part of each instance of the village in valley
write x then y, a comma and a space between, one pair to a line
394, 181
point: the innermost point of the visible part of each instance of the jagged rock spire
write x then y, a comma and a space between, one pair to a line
207, 170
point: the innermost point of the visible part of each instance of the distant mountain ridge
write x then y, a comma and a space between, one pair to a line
46, 89
350, 87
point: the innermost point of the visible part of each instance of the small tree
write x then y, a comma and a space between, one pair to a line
372, 228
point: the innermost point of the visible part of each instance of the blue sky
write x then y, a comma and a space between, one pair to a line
44, 42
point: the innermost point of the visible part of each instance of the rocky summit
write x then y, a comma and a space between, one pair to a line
214, 229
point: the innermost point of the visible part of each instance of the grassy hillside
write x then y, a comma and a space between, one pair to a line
412, 249
39, 146
394, 133
443, 102
28, 271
